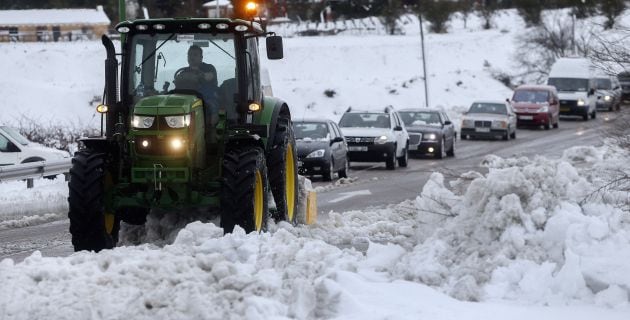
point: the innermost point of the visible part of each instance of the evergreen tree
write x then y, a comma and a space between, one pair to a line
487, 9
530, 10
391, 12
611, 9
437, 12
584, 8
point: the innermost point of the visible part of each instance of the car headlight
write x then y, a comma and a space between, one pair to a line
430, 136
607, 98
581, 102
544, 109
499, 124
381, 140
142, 122
178, 121
317, 153
468, 123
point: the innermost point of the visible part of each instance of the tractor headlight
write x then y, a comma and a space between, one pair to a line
607, 98
381, 140
499, 124
177, 144
142, 122
178, 121
316, 154
581, 102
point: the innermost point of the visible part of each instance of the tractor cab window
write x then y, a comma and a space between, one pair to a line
187, 63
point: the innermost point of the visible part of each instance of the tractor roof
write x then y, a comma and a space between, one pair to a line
184, 25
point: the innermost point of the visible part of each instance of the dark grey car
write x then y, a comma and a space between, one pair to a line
430, 132
321, 148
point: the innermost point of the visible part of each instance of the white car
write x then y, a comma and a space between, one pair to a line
489, 119
15, 149
374, 136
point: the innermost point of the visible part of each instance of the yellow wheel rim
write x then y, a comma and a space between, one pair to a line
290, 182
258, 201
109, 217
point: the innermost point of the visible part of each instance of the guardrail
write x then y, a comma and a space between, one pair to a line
29, 171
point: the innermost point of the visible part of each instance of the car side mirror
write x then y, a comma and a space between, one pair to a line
274, 48
397, 128
336, 139
447, 123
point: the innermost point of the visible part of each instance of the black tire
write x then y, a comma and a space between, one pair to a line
556, 124
87, 206
451, 151
585, 117
594, 114
513, 135
390, 163
343, 173
547, 125
506, 136
244, 192
329, 174
284, 148
404, 159
440, 152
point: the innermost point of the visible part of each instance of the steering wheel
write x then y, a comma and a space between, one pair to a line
187, 78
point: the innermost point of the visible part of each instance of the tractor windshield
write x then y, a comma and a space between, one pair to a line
168, 63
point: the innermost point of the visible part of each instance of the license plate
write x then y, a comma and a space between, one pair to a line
357, 148
565, 109
526, 117
482, 129
414, 147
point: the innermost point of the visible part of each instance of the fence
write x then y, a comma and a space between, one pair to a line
31, 170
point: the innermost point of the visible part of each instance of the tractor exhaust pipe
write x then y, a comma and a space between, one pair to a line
111, 86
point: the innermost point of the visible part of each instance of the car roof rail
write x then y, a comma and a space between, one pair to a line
389, 108
349, 109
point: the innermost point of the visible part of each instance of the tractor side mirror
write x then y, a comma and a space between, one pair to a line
274, 48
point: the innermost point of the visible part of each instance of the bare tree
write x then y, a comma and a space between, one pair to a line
610, 52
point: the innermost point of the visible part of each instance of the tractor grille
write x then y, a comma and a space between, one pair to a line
414, 138
483, 124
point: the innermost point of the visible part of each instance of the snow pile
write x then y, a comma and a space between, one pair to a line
523, 232
202, 275
47, 201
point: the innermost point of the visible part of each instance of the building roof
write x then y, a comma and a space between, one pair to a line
53, 17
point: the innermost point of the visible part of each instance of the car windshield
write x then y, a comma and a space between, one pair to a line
163, 62
480, 107
532, 96
15, 135
310, 130
420, 118
603, 83
569, 84
365, 120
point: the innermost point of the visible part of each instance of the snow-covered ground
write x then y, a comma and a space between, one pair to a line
527, 240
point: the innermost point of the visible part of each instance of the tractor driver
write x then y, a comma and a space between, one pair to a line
198, 76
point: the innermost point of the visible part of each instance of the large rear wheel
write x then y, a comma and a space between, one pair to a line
244, 194
91, 228
283, 175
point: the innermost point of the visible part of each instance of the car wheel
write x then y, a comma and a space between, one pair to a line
557, 123
506, 136
594, 114
451, 151
513, 135
547, 125
343, 173
585, 117
390, 163
441, 152
329, 174
402, 161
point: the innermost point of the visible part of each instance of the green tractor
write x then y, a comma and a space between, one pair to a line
184, 132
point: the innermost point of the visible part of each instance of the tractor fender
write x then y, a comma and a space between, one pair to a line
98, 144
273, 109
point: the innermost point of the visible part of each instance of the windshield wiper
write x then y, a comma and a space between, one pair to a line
138, 67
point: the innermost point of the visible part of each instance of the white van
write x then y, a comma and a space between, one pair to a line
15, 149
574, 81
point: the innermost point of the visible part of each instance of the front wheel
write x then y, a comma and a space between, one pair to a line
404, 159
390, 163
343, 173
283, 173
244, 194
91, 228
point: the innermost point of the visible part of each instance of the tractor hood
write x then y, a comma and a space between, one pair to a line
172, 104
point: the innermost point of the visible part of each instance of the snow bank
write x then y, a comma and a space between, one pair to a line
20, 206
529, 231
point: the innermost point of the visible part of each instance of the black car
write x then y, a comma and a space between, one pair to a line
321, 148
430, 132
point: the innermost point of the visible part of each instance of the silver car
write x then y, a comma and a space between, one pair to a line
489, 119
